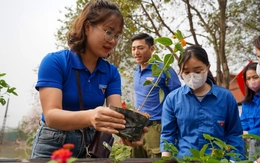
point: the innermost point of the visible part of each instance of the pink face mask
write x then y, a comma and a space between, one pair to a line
254, 85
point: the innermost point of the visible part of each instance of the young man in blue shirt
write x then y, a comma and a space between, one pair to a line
142, 49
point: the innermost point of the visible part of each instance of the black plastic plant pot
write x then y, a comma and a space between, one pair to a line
135, 122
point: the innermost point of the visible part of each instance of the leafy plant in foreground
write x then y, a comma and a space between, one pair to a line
220, 152
120, 152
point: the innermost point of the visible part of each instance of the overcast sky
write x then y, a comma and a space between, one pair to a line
26, 35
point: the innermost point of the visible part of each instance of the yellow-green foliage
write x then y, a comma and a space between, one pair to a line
120, 152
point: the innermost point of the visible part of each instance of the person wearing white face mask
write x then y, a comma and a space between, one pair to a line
199, 107
194, 80
256, 43
250, 117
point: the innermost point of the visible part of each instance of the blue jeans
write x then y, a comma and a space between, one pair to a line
48, 140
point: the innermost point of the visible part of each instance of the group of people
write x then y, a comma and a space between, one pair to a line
187, 112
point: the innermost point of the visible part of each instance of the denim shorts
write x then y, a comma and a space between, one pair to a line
48, 140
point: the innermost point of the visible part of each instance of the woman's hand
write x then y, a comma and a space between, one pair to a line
136, 143
107, 120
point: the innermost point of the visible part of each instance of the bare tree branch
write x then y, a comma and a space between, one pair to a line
151, 21
157, 31
161, 19
191, 24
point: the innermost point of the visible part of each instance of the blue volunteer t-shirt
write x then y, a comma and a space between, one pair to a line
250, 117
57, 70
153, 106
186, 119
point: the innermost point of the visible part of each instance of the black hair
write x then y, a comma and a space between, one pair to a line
249, 93
200, 54
148, 39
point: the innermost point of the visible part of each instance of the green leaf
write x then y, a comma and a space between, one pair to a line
179, 35
181, 56
245, 161
2, 101
2, 74
161, 95
156, 70
232, 154
156, 58
208, 137
72, 159
203, 149
178, 47
4, 84
218, 153
147, 82
231, 147
12, 90
219, 144
151, 60
164, 41
195, 152
170, 147
224, 161
168, 59
193, 159
251, 136
212, 160
168, 74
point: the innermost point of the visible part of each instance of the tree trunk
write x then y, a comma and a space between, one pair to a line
222, 38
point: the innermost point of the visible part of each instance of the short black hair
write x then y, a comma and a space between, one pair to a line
148, 39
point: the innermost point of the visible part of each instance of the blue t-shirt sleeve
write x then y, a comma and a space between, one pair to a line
114, 84
169, 121
243, 118
233, 128
50, 72
173, 81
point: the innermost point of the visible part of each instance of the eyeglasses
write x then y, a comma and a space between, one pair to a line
196, 72
108, 35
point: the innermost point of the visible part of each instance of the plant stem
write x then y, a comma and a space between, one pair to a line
156, 83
